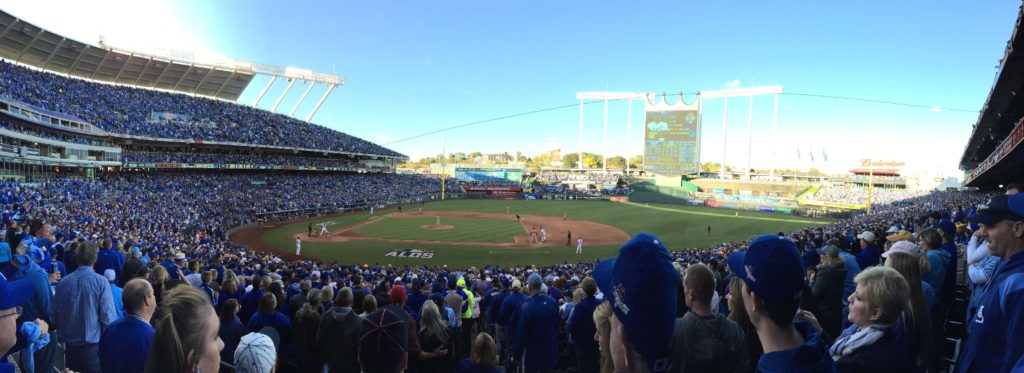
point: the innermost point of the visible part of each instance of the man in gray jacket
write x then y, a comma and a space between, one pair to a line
705, 341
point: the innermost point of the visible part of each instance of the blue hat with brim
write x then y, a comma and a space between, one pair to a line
640, 285
14, 293
999, 208
771, 268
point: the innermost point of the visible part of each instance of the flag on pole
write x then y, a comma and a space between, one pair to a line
824, 156
810, 153
798, 153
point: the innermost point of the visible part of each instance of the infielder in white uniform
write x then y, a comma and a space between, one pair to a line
579, 245
543, 235
298, 246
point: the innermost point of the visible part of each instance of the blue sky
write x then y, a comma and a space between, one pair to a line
415, 66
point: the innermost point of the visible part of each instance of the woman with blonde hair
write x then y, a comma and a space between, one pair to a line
873, 342
917, 318
483, 357
186, 339
435, 335
158, 278
602, 316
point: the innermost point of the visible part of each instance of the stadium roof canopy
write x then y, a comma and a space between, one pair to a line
25, 43
992, 155
1004, 106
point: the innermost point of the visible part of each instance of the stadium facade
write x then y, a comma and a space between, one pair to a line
994, 155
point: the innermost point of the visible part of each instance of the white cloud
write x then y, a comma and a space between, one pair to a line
735, 83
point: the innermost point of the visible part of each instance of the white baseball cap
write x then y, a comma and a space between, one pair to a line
866, 236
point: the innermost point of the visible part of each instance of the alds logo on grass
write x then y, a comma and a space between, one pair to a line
411, 253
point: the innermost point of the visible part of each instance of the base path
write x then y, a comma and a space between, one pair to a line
593, 233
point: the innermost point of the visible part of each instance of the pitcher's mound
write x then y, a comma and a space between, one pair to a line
437, 227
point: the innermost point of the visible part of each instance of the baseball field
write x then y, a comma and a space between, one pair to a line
463, 233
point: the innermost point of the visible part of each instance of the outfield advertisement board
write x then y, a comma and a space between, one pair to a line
488, 174
671, 138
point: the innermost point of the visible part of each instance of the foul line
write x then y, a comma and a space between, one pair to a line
726, 216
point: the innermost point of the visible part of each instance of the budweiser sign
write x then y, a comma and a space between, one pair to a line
871, 163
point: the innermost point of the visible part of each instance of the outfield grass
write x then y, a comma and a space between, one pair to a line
680, 227
465, 229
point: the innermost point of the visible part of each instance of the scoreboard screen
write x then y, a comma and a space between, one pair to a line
671, 142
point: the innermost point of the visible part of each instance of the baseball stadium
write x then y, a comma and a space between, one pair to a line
510, 187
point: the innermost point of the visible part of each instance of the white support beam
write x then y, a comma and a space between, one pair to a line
280, 98
225, 84
579, 146
78, 58
143, 72
53, 52
725, 138
775, 128
323, 98
302, 98
750, 134
183, 76
604, 143
629, 132
29, 45
264, 91
99, 65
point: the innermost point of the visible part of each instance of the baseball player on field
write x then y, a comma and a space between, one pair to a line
323, 229
533, 236
579, 245
543, 235
298, 246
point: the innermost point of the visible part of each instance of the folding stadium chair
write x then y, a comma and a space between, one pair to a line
949, 353
955, 329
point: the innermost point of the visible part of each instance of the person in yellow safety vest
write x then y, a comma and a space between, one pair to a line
467, 314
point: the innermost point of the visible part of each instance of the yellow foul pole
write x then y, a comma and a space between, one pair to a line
871, 184
444, 165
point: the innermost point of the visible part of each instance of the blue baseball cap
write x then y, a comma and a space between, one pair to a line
640, 284
534, 280
771, 267
14, 293
947, 227
999, 208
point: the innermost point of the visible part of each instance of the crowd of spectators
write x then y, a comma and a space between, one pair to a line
129, 111
131, 156
576, 177
52, 135
859, 195
193, 301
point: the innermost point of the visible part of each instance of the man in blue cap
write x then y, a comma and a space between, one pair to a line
640, 285
37, 306
536, 341
996, 338
773, 280
12, 295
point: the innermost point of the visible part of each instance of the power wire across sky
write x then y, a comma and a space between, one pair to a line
576, 104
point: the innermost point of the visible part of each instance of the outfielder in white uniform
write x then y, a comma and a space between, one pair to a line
298, 246
579, 245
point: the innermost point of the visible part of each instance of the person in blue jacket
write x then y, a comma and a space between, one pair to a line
124, 345
582, 329
773, 280
996, 337
869, 250
536, 340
